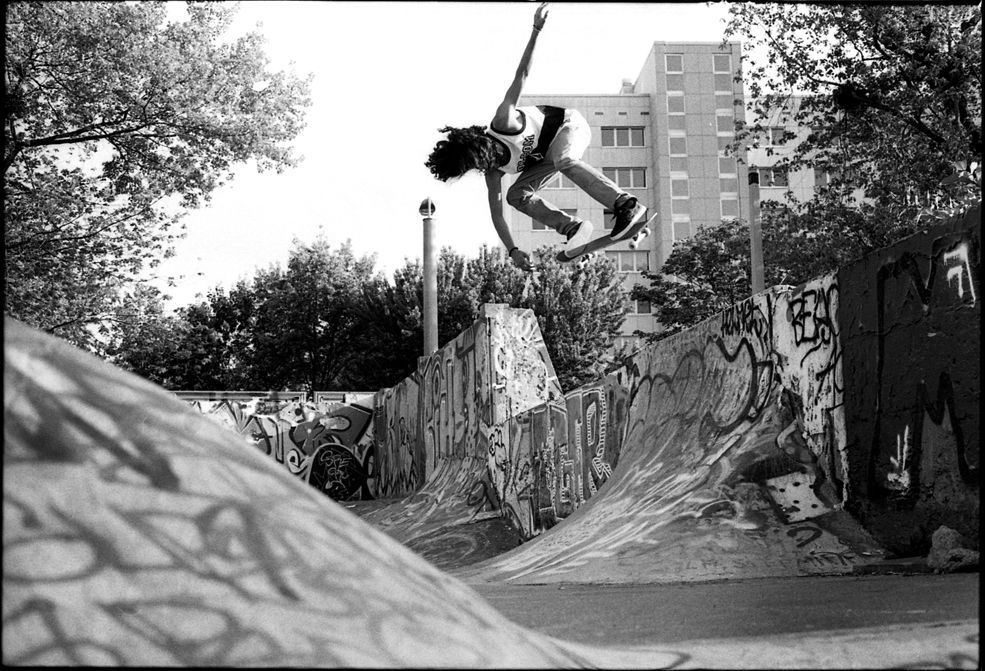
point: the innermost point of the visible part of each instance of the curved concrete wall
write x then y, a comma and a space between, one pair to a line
870, 375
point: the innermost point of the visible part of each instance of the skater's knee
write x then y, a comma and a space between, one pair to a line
519, 197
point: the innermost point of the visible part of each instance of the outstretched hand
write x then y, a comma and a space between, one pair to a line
540, 16
521, 259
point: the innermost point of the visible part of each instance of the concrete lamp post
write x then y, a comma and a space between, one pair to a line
755, 234
430, 279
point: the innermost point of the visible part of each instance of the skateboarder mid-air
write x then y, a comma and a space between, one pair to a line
534, 143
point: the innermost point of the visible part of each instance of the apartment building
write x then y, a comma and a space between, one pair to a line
663, 138
775, 143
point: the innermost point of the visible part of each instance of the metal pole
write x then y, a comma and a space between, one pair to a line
430, 280
755, 234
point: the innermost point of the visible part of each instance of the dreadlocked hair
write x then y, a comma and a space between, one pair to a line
465, 149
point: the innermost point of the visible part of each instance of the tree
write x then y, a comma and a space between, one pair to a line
305, 333
710, 271
173, 351
115, 120
703, 275
580, 311
892, 100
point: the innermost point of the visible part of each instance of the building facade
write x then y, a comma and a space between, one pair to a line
662, 138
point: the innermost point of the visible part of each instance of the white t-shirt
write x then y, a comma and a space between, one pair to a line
528, 146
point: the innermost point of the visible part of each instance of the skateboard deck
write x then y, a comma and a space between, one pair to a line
637, 232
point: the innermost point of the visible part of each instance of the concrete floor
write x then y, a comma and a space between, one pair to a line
613, 615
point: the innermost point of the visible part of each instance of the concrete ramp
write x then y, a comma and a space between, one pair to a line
715, 478
432, 433
139, 532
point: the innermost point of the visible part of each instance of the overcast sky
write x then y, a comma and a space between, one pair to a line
387, 76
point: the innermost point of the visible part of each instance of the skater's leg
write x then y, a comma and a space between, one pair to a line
523, 195
565, 152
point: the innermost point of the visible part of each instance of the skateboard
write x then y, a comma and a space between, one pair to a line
637, 232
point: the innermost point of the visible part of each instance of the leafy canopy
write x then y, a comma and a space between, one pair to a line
330, 321
891, 96
116, 119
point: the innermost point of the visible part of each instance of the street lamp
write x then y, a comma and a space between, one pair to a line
755, 234
426, 210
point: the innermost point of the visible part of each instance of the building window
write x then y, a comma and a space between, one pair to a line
682, 230
678, 146
730, 207
724, 141
627, 177
643, 308
607, 219
678, 186
675, 104
630, 262
776, 134
725, 123
722, 63
678, 164
675, 62
729, 184
774, 177
675, 122
622, 136
723, 83
726, 165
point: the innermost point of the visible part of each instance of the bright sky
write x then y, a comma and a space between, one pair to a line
387, 76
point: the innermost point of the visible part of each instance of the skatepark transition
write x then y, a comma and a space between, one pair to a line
807, 430
846, 408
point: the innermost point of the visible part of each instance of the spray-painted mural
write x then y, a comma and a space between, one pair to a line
465, 393
856, 391
328, 445
549, 460
912, 330
691, 464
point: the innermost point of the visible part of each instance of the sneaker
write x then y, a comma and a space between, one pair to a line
580, 236
627, 213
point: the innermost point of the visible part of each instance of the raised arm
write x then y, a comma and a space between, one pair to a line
506, 117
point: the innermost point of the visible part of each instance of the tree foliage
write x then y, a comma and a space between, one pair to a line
330, 321
892, 99
115, 119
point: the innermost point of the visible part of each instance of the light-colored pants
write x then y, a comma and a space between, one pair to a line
564, 156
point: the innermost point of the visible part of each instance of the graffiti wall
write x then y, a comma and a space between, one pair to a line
438, 442
328, 445
692, 463
857, 391
549, 460
911, 329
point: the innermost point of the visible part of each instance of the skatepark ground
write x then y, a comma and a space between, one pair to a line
625, 615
